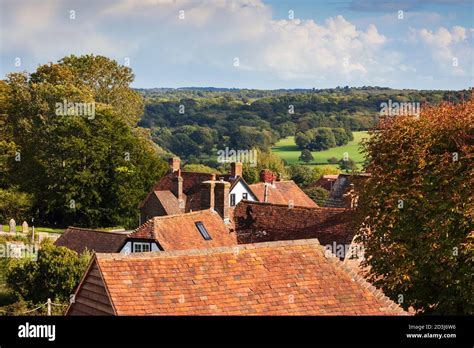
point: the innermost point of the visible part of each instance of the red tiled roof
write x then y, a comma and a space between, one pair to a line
79, 239
191, 187
262, 222
282, 192
277, 278
175, 232
191, 181
169, 202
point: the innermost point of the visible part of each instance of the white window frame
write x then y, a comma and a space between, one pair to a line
141, 246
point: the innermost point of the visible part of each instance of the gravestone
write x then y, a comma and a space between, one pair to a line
24, 227
12, 226
1, 228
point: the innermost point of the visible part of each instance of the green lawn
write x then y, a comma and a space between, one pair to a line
286, 149
6, 228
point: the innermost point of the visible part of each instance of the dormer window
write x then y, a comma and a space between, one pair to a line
141, 247
203, 231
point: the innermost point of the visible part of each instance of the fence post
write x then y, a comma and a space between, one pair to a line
49, 306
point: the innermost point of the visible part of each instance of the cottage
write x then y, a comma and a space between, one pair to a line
276, 278
197, 230
181, 192
271, 189
343, 189
257, 222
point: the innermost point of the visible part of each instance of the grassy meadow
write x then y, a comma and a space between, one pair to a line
287, 150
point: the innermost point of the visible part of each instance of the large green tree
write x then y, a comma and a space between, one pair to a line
89, 169
417, 209
109, 83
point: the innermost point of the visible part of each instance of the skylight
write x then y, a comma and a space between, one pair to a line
203, 231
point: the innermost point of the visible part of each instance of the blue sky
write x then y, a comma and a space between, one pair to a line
265, 44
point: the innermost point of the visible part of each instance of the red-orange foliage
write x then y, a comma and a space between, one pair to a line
418, 207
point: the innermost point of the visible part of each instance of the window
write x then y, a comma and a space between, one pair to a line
141, 247
245, 195
232, 199
203, 231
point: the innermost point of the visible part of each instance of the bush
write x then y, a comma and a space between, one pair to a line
333, 160
348, 165
306, 156
302, 175
317, 194
199, 168
55, 274
320, 171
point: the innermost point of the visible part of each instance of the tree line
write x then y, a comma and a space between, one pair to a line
195, 122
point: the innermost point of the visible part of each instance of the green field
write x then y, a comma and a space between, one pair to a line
286, 149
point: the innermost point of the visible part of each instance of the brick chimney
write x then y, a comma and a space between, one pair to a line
222, 199
207, 194
236, 169
174, 163
177, 186
266, 175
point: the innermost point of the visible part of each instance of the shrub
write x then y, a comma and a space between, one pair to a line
55, 274
317, 194
302, 175
306, 156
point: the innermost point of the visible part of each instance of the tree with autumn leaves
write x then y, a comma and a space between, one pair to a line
417, 209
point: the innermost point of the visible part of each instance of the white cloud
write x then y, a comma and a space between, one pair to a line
213, 32
304, 49
451, 50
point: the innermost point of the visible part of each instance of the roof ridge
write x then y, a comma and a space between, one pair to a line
297, 206
214, 250
152, 220
383, 299
101, 231
196, 212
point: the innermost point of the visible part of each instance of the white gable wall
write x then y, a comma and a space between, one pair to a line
238, 190
127, 248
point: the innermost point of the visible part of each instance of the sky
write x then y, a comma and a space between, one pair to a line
261, 44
